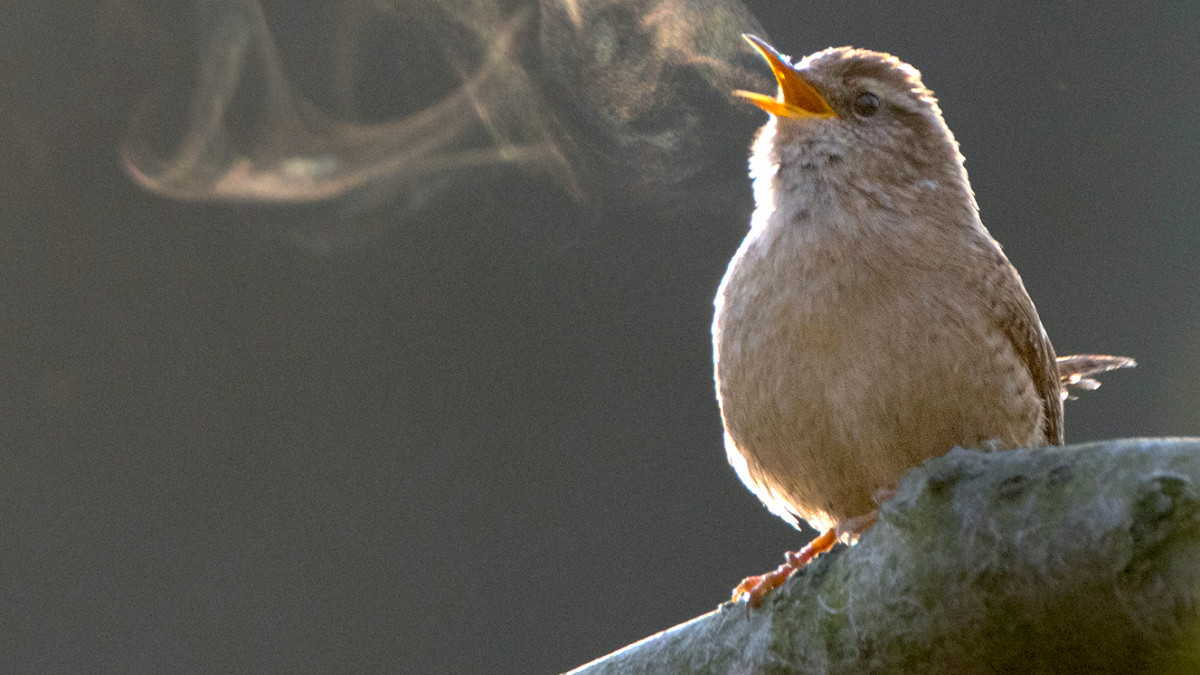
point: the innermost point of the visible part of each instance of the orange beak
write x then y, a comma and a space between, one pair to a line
797, 98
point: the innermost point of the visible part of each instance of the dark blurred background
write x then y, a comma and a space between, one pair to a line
274, 399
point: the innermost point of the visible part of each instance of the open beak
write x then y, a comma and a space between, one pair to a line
797, 98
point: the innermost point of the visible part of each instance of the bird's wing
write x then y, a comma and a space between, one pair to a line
1014, 313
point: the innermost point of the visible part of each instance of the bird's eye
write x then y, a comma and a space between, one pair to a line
866, 104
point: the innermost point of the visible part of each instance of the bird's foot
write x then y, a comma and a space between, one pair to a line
857, 525
757, 587
882, 495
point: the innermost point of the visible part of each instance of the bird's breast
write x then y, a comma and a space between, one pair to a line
839, 369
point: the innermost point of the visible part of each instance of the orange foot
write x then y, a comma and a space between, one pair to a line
756, 588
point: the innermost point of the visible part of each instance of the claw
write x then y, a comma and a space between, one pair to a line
757, 587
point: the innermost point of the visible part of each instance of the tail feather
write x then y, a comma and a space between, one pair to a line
1076, 371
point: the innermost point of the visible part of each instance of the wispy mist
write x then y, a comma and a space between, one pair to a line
606, 98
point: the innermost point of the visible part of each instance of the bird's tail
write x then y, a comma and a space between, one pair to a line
1076, 371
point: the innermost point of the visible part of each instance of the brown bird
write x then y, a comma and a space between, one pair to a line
869, 321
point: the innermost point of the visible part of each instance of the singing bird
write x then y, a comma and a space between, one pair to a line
869, 321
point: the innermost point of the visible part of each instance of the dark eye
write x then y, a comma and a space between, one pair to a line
866, 104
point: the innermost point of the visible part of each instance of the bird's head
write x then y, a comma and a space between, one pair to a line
859, 114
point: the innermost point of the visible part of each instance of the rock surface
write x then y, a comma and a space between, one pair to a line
1075, 559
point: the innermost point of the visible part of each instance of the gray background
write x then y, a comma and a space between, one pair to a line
485, 439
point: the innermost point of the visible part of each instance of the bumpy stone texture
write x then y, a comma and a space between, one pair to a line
1076, 559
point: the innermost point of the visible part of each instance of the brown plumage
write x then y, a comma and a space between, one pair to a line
869, 321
